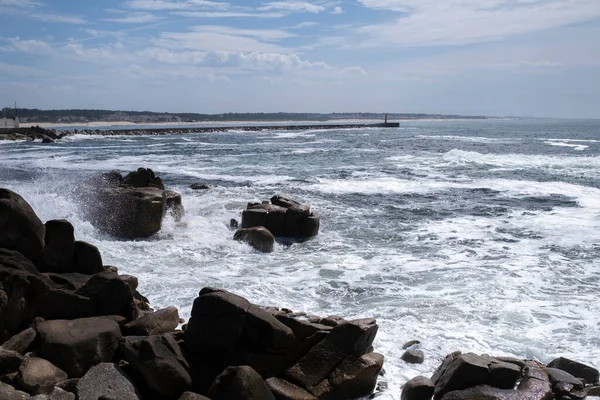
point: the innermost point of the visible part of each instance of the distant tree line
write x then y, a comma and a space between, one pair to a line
36, 115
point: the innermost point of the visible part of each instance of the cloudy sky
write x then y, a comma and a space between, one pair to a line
477, 57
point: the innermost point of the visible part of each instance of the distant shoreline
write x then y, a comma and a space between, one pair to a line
131, 125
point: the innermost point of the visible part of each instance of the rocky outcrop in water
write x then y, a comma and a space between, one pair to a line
32, 133
472, 377
72, 328
128, 207
282, 217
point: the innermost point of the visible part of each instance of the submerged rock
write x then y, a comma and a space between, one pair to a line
258, 237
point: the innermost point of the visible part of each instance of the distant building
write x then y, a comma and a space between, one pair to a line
12, 122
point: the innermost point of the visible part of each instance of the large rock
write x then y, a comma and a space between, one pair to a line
192, 396
86, 258
156, 323
109, 295
77, 345
36, 374
93, 385
353, 338
158, 365
59, 247
283, 217
9, 361
258, 237
576, 369
418, 388
54, 393
229, 330
355, 377
8, 392
240, 383
21, 341
124, 207
20, 227
284, 390
460, 371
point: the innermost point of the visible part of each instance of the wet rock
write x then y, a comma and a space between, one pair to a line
20, 228
353, 338
240, 383
233, 224
200, 186
558, 376
93, 385
109, 295
413, 356
77, 345
158, 365
410, 344
258, 237
459, 371
419, 388
10, 393
284, 390
283, 217
9, 361
355, 377
59, 247
142, 178
576, 369
36, 374
156, 323
192, 396
503, 375
54, 393
86, 258
20, 342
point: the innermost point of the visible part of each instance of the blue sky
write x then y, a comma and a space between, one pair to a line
484, 57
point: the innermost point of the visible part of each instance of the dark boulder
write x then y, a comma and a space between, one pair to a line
258, 237
86, 259
355, 376
192, 396
284, 390
576, 369
156, 323
10, 393
143, 177
419, 388
21, 342
460, 371
200, 186
109, 295
352, 338
158, 365
9, 361
106, 381
77, 345
20, 227
411, 356
59, 247
36, 374
228, 329
174, 205
559, 377
240, 383
283, 217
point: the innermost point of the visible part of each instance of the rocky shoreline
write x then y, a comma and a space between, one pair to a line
74, 328
49, 135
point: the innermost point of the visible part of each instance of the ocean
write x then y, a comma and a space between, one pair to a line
471, 235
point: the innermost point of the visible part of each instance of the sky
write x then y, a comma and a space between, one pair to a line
472, 57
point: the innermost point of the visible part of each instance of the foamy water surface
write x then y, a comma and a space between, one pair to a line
477, 236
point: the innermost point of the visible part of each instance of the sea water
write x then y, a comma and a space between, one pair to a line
478, 236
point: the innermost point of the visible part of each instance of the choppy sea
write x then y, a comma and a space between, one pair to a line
478, 236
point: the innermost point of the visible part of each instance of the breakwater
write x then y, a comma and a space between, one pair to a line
33, 133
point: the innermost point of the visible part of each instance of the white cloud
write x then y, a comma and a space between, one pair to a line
166, 5
226, 14
442, 22
337, 10
293, 6
16, 44
136, 18
223, 38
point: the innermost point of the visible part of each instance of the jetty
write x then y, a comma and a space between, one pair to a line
47, 135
